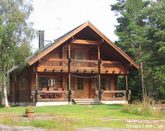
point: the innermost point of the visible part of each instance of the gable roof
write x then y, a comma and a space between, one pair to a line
69, 35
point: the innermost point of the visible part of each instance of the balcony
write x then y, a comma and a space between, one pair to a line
81, 66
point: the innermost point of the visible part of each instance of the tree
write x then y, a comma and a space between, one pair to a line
154, 48
141, 33
15, 35
131, 32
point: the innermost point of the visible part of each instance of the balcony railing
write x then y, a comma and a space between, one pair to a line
53, 65
84, 65
112, 67
88, 66
56, 62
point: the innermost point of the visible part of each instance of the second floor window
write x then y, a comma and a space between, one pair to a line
77, 54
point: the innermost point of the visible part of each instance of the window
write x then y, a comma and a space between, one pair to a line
78, 54
72, 54
80, 84
105, 83
46, 82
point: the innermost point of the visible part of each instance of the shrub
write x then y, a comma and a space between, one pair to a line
161, 101
144, 108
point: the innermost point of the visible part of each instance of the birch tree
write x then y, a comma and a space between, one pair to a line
16, 32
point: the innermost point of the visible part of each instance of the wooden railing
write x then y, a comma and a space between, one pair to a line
84, 63
113, 67
53, 65
56, 62
82, 66
108, 64
55, 95
44, 96
113, 95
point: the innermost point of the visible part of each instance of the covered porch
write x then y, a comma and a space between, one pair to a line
54, 88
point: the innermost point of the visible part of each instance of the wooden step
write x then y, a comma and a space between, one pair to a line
86, 101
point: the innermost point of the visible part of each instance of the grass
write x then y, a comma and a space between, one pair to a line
144, 108
75, 116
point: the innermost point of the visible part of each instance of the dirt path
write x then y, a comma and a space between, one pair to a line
114, 129
19, 128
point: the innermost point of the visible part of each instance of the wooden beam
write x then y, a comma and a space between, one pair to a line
98, 52
69, 73
69, 61
85, 42
99, 72
69, 52
37, 86
126, 84
126, 81
99, 87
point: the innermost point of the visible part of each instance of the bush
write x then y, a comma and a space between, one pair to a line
142, 108
161, 101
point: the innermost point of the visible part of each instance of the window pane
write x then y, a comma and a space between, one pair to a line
46, 82
77, 54
80, 84
105, 83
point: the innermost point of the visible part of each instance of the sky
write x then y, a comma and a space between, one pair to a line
57, 17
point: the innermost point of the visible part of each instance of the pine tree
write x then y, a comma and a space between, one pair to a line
131, 31
154, 48
141, 33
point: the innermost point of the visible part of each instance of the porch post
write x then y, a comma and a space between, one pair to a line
99, 75
69, 75
126, 84
37, 86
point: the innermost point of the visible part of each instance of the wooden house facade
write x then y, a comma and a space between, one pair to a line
81, 65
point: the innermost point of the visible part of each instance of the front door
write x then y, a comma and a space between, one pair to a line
82, 88
92, 88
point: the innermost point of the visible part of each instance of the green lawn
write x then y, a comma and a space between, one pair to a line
72, 116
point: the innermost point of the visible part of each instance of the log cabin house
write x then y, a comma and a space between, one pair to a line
82, 66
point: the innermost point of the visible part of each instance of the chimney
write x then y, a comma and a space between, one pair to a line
41, 39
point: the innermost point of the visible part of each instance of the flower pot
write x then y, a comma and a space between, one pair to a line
30, 114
